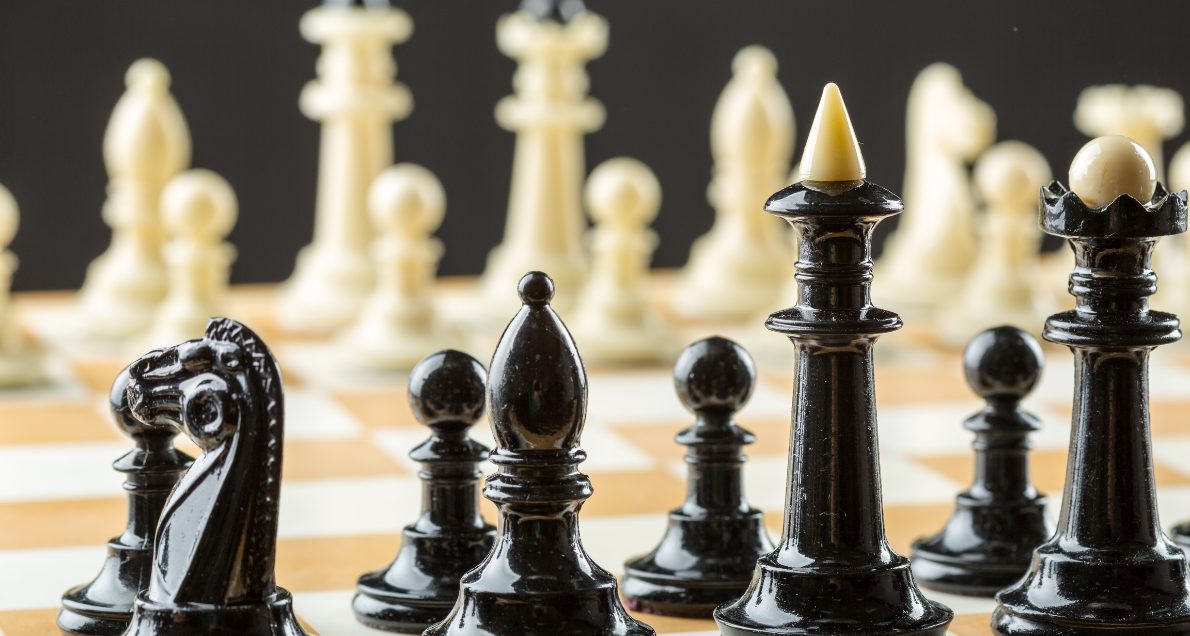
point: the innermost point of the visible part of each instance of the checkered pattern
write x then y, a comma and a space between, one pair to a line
349, 487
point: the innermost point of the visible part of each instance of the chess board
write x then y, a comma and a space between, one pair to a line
349, 488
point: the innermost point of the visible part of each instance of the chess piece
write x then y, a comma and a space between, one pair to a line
397, 326
833, 572
216, 543
551, 40
446, 393
1109, 568
739, 267
538, 580
146, 144
1002, 285
614, 317
714, 538
19, 366
103, 607
1174, 286
926, 259
989, 540
357, 101
198, 209
1145, 114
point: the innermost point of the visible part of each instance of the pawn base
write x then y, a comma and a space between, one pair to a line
327, 291
1007, 623
685, 599
272, 617
405, 616
87, 622
936, 572
590, 612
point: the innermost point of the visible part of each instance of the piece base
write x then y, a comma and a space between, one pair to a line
687, 599
1006, 623
938, 573
82, 623
271, 617
406, 617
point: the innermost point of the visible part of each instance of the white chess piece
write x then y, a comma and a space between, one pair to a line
927, 257
1002, 286
1174, 284
742, 265
614, 319
18, 364
397, 327
549, 113
356, 100
199, 210
146, 144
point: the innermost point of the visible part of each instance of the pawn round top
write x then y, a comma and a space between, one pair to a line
1108, 167
447, 386
148, 76
1003, 362
536, 288
714, 373
754, 61
1011, 173
200, 204
407, 199
623, 192
9, 217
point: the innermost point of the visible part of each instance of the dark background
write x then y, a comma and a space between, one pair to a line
238, 66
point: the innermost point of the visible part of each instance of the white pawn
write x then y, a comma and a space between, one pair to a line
741, 265
199, 210
397, 327
18, 365
145, 145
1001, 288
614, 319
1174, 284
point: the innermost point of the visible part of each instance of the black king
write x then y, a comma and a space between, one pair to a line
833, 571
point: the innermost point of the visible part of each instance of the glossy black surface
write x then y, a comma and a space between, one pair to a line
538, 580
561, 11
1109, 569
713, 539
988, 542
446, 393
217, 539
103, 607
834, 572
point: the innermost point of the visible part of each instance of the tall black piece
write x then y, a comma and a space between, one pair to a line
714, 538
446, 393
103, 607
1109, 569
988, 542
834, 572
538, 580
217, 540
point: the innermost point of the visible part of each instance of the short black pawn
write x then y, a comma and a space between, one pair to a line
538, 580
446, 393
713, 539
998, 522
103, 607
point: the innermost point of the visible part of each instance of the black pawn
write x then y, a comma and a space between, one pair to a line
103, 607
988, 543
538, 580
714, 538
446, 393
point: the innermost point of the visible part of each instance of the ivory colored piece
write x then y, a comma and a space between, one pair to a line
199, 210
145, 145
19, 365
549, 113
614, 319
397, 327
1173, 285
832, 152
1002, 287
741, 265
357, 100
1147, 114
929, 254
1112, 166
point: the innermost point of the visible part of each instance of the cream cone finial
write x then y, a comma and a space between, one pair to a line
832, 151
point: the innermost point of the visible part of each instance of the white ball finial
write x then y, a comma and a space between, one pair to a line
1011, 173
9, 217
407, 198
147, 75
200, 204
623, 190
1107, 167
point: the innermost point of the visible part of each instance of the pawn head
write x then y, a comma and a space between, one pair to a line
447, 386
1108, 167
623, 192
407, 199
1003, 362
9, 217
1011, 173
200, 204
714, 374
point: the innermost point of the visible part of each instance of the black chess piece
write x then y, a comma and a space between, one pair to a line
1109, 568
538, 580
833, 572
213, 563
714, 538
103, 607
988, 542
446, 393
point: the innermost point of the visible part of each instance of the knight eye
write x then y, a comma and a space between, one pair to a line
231, 361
